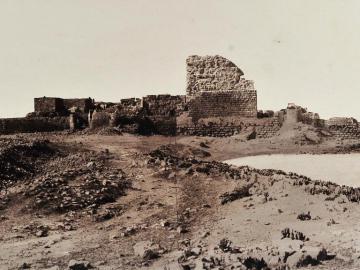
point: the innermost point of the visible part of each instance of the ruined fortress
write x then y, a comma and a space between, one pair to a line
219, 102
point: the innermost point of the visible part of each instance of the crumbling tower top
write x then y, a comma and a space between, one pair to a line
214, 73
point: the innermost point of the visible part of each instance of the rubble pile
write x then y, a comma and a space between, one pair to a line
165, 160
237, 193
328, 188
226, 255
20, 158
77, 181
168, 158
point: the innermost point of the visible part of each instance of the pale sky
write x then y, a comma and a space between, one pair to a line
307, 52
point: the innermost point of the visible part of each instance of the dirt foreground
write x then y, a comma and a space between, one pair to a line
75, 201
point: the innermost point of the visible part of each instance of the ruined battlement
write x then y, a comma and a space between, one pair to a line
214, 73
46, 105
215, 88
164, 105
219, 101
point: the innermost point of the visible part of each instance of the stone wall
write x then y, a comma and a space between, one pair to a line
45, 105
223, 103
131, 102
215, 88
163, 105
343, 127
226, 126
83, 104
214, 73
48, 104
35, 124
268, 129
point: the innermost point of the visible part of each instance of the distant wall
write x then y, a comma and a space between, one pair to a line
83, 104
227, 126
48, 104
59, 105
26, 125
223, 103
163, 105
343, 127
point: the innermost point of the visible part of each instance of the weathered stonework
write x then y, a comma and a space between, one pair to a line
46, 105
219, 102
82, 104
164, 105
214, 73
343, 127
34, 124
223, 103
215, 88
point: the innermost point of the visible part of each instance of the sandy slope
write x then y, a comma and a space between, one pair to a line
191, 201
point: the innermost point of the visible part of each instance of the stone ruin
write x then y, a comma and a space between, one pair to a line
219, 102
215, 88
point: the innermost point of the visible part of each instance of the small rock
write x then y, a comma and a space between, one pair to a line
79, 265
164, 223
25, 266
181, 229
205, 234
150, 254
42, 233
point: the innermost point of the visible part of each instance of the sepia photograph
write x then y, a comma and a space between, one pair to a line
179, 135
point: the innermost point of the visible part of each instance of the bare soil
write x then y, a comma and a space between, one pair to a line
135, 202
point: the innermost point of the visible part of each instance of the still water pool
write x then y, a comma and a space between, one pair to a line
343, 169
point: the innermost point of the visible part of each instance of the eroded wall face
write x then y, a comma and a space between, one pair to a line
223, 104
163, 105
215, 88
214, 73
36, 124
83, 104
48, 105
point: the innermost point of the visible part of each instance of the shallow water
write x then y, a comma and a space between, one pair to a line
343, 169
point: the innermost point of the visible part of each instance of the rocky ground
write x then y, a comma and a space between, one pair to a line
119, 201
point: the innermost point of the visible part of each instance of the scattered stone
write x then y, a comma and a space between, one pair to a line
42, 232
331, 222
237, 193
225, 245
150, 254
304, 216
205, 234
181, 229
254, 263
79, 265
294, 235
25, 266
164, 223
204, 145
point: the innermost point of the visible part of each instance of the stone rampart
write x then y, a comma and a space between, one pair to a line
48, 105
343, 127
34, 124
163, 105
223, 104
226, 126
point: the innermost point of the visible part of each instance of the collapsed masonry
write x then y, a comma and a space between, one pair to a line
219, 102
